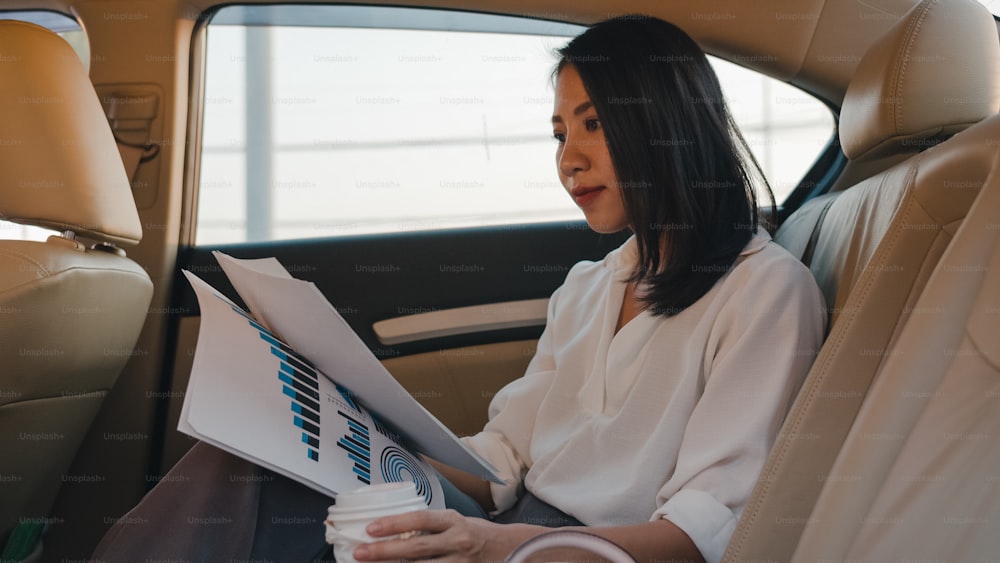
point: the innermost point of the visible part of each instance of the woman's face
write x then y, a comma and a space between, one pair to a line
582, 159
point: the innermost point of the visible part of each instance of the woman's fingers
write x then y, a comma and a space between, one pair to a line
432, 521
417, 547
442, 534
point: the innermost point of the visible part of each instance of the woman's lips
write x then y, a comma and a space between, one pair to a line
584, 195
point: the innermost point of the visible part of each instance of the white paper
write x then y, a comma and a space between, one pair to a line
250, 395
299, 313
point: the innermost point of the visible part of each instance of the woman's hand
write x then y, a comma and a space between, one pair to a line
445, 535
449, 536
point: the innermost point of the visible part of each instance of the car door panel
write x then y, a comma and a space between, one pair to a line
474, 274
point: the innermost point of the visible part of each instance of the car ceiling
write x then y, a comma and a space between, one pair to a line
814, 44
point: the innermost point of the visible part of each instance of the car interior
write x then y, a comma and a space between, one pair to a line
889, 451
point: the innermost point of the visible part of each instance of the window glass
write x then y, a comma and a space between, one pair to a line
331, 129
65, 26
992, 5
785, 128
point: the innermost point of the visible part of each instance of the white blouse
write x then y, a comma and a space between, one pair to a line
670, 417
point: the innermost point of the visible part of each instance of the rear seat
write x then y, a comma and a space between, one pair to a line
873, 245
918, 477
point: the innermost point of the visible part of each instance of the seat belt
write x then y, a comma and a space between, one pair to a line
807, 254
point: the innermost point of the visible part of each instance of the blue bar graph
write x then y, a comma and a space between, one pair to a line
306, 425
310, 382
297, 409
298, 385
357, 444
304, 400
299, 381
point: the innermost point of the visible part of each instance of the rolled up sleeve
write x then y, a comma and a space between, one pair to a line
705, 520
510, 467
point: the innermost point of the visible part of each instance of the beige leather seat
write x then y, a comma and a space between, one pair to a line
918, 478
873, 245
71, 308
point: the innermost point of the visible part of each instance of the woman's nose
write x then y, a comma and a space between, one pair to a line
572, 157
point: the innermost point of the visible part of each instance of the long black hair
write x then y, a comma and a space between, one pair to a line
684, 170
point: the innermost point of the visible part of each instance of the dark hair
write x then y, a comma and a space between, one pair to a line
685, 172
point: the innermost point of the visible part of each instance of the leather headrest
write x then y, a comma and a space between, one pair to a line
934, 73
59, 165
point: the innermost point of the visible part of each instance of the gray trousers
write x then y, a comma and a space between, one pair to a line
215, 507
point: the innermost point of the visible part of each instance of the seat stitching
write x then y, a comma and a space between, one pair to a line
68, 270
903, 61
25, 257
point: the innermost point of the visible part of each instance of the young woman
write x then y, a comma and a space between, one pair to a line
664, 371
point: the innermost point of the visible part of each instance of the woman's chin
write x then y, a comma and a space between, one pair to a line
605, 227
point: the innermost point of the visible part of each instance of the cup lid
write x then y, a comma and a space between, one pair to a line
376, 496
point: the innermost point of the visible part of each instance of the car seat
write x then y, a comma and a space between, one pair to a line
71, 307
873, 245
917, 478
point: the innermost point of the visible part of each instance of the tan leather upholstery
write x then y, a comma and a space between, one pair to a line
917, 478
70, 311
872, 248
458, 384
73, 180
928, 77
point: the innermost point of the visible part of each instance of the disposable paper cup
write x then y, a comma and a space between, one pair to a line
353, 511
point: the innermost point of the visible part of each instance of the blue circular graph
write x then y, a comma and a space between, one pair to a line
398, 465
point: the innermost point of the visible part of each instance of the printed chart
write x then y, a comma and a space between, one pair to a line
251, 394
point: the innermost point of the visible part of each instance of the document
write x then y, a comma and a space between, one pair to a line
291, 387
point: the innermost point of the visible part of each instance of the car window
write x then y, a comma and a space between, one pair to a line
65, 26
338, 120
70, 30
785, 128
992, 5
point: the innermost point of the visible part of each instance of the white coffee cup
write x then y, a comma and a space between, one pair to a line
353, 511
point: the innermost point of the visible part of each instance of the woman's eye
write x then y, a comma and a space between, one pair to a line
592, 124
561, 137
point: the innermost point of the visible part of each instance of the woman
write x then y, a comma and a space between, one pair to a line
664, 371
